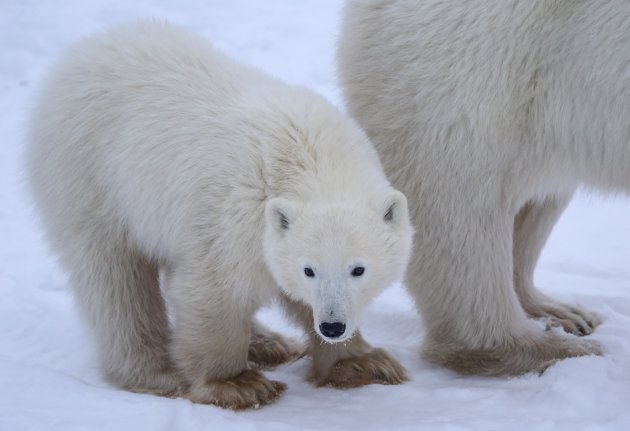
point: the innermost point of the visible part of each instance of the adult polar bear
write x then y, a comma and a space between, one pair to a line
149, 150
488, 115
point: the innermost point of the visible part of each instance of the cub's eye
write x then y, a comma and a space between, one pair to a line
358, 271
308, 271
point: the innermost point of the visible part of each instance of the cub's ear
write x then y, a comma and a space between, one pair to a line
280, 214
394, 209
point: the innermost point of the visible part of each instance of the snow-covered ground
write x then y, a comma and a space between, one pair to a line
48, 376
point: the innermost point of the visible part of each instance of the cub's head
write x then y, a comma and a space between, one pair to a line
337, 257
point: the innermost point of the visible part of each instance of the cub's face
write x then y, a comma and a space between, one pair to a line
337, 257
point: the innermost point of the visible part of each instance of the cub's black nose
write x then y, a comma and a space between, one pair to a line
332, 330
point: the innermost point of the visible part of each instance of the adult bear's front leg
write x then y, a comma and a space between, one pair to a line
461, 278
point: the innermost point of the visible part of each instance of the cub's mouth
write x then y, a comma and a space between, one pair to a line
334, 332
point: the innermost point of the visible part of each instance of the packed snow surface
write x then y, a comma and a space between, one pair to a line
48, 372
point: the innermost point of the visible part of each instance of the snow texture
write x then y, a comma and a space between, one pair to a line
48, 371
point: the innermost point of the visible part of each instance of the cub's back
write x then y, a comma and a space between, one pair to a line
129, 115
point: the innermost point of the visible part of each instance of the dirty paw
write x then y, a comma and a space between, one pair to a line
248, 390
574, 320
375, 367
270, 350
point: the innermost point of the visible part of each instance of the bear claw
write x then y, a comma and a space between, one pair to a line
375, 367
248, 390
270, 350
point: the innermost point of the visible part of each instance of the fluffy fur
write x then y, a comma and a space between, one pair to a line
488, 115
154, 159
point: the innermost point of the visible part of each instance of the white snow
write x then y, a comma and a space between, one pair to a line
48, 374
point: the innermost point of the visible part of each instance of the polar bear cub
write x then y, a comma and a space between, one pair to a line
488, 115
166, 173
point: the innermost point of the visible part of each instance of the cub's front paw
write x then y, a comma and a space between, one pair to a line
374, 367
248, 390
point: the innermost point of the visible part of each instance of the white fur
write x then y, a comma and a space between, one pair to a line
150, 150
488, 115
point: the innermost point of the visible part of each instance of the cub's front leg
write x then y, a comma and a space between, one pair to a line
346, 364
211, 341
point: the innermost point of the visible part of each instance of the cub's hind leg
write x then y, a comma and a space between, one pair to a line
117, 289
268, 349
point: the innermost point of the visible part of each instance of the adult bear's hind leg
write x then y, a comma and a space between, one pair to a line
532, 226
462, 280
